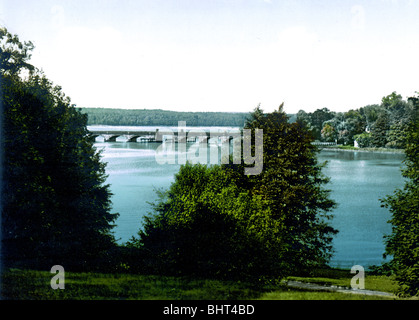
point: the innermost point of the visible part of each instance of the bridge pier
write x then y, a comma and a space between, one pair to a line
92, 137
110, 137
131, 137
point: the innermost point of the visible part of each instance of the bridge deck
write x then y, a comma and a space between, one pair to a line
157, 135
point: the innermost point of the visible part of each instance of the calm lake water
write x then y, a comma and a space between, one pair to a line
358, 181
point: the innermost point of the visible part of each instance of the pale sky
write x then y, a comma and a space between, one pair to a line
219, 55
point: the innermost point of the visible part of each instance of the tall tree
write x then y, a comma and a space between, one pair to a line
329, 133
203, 227
14, 54
318, 118
56, 207
370, 113
218, 221
292, 186
379, 131
395, 104
403, 243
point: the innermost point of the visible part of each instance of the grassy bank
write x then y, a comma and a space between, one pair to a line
35, 285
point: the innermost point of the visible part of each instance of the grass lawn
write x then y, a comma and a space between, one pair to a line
35, 285
342, 278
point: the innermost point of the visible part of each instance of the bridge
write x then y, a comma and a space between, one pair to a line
191, 135
320, 143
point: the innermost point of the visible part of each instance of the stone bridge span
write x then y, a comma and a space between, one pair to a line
190, 135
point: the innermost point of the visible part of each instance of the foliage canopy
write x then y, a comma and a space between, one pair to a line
55, 205
215, 221
403, 242
378, 125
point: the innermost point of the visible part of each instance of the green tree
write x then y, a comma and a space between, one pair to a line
399, 115
363, 139
55, 205
303, 117
216, 221
145, 117
204, 225
379, 131
343, 133
403, 243
14, 54
394, 104
370, 114
356, 120
328, 133
292, 186
317, 119
397, 134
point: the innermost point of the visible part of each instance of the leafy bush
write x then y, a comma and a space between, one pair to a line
403, 242
217, 222
363, 139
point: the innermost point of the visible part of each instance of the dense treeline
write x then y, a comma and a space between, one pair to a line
157, 117
378, 125
55, 205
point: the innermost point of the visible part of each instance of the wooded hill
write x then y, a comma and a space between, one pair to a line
158, 117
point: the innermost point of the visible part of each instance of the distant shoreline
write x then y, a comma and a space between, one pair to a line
372, 150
